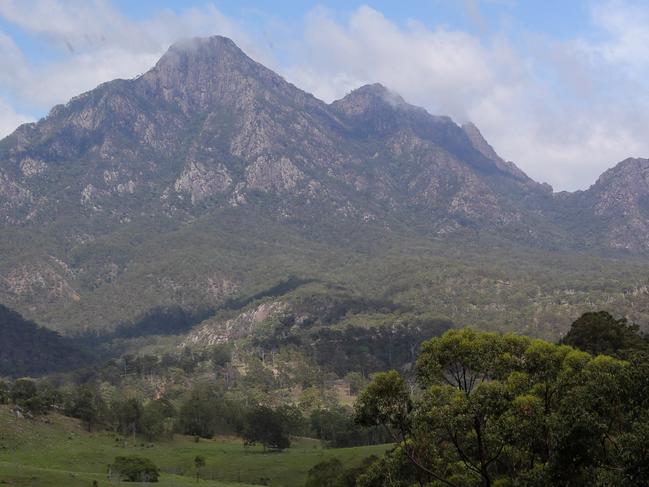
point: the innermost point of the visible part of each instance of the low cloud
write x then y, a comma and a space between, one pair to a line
92, 42
9, 119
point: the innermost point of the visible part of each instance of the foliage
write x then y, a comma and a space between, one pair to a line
220, 355
331, 473
88, 406
496, 409
366, 350
600, 333
25, 393
207, 413
127, 415
135, 469
324, 474
265, 426
199, 463
154, 421
353, 350
22, 390
4, 392
337, 428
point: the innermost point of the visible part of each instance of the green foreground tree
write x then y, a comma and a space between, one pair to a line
505, 410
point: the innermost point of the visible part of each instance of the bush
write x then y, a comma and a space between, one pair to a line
136, 469
325, 474
265, 426
207, 412
24, 393
330, 473
23, 390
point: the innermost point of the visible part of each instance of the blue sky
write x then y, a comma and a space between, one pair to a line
554, 17
556, 86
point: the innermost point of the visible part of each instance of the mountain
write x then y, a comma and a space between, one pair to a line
614, 211
210, 179
208, 127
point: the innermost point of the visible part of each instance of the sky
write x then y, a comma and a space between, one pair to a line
560, 87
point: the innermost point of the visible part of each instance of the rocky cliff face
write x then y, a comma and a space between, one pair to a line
614, 212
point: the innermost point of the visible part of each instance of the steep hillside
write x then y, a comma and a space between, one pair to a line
613, 212
210, 179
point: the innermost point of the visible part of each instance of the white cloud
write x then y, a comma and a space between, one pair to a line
96, 43
447, 71
9, 119
550, 106
625, 25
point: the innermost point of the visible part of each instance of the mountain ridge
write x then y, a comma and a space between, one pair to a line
209, 136
212, 77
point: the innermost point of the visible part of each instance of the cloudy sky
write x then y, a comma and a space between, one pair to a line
561, 87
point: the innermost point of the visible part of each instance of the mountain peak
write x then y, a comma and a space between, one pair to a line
631, 171
211, 42
201, 54
632, 164
210, 49
619, 200
368, 98
199, 72
373, 89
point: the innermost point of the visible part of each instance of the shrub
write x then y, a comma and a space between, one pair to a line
136, 469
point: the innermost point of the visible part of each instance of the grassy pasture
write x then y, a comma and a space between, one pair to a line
56, 451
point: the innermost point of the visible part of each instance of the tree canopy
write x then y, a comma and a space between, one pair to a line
490, 409
266, 426
601, 333
135, 469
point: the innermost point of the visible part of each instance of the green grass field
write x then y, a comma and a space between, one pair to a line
56, 451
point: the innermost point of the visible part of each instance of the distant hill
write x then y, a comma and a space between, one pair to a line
210, 180
29, 350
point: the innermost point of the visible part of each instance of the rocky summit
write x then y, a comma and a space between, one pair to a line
213, 156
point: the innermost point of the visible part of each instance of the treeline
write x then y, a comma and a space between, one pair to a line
282, 355
114, 371
127, 416
208, 411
